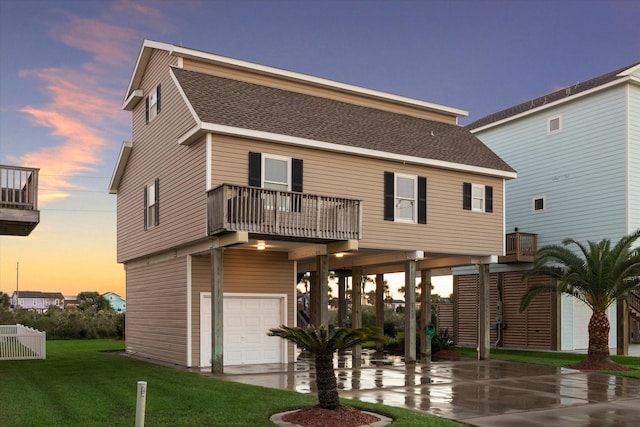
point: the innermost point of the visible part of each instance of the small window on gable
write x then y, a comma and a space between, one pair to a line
152, 205
477, 197
405, 198
555, 125
153, 104
539, 204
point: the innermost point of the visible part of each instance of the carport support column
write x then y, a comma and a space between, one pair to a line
217, 300
342, 301
484, 325
623, 333
322, 302
425, 315
410, 312
356, 313
380, 309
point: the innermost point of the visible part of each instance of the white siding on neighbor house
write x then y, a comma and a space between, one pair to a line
580, 170
633, 116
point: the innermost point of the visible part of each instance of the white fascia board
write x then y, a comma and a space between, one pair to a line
123, 157
132, 100
317, 81
571, 98
141, 64
197, 131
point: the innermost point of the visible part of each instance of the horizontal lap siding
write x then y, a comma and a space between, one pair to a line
634, 159
449, 228
155, 154
157, 311
580, 170
245, 271
288, 84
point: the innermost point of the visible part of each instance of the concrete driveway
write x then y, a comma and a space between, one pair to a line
480, 393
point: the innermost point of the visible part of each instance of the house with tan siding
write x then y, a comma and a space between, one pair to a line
240, 178
577, 152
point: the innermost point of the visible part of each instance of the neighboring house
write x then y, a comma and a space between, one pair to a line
116, 301
19, 213
577, 152
36, 300
241, 177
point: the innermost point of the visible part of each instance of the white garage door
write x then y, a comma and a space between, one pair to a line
247, 319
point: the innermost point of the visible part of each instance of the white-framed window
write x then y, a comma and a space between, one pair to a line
276, 175
153, 104
477, 197
554, 125
405, 198
539, 204
151, 204
276, 172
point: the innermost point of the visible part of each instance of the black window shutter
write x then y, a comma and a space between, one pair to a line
255, 169
488, 198
422, 200
147, 109
296, 175
158, 99
389, 196
466, 196
145, 207
157, 202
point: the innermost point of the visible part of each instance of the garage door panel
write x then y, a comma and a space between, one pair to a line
246, 323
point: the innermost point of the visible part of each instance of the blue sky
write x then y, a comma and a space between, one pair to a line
65, 66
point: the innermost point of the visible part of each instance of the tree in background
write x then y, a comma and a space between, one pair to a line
91, 299
597, 274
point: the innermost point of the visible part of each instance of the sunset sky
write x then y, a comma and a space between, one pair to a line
65, 66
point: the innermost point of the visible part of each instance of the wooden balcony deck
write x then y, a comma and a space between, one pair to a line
520, 247
19, 213
283, 214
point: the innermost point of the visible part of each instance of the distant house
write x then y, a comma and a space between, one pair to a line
36, 300
117, 302
577, 152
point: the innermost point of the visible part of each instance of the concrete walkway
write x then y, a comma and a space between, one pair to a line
479, 393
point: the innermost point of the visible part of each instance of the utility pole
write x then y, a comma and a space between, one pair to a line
17, 282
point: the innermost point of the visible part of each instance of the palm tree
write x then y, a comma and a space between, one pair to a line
323, 344
597, 275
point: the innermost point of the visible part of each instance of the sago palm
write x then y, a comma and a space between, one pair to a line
597, 274
323, 343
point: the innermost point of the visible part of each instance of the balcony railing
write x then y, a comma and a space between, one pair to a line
18, 200
282, 213
520, 247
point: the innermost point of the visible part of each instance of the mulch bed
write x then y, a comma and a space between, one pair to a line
598, 365
344, 416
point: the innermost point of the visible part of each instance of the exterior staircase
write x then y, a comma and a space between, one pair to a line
634, 305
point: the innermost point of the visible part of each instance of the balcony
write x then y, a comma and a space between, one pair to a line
283, 214
19, 212
520, 247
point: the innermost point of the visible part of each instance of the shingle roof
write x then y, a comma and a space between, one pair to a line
251, 106
548, 98
38, 294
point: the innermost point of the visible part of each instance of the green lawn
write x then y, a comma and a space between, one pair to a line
552, 358
81, 383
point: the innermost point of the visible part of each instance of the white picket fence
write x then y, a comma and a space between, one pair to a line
19, 342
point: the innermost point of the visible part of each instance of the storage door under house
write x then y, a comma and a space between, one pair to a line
247, 319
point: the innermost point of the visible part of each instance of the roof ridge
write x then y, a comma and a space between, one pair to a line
562, 93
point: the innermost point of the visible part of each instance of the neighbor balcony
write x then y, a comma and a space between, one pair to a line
281, 214
19, 213
520, 247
